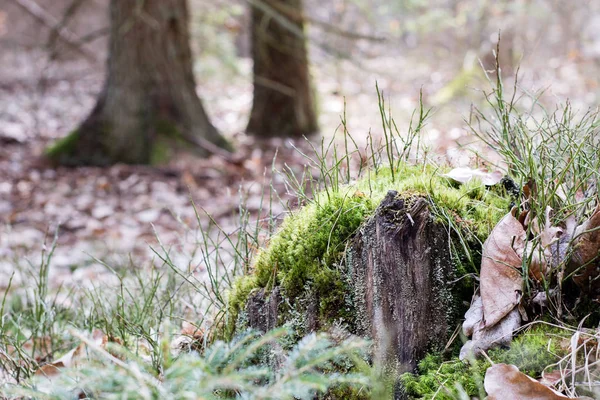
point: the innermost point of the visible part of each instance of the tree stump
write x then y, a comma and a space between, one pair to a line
399, 271
262, 310
402, 269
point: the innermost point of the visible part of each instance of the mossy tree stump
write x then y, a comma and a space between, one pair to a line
398, 275
401, 268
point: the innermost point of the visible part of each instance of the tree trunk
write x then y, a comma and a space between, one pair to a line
149, 92
402, 271
283, 99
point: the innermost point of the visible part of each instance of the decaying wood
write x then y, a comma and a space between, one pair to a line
262, 310
401, 267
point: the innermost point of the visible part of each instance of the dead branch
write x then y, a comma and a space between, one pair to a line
63, 33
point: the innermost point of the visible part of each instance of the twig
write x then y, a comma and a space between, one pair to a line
53, 36
212, 148
63, 33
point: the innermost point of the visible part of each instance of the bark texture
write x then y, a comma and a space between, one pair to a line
263, 310
283, 99
149, 91
401, 269
400, 272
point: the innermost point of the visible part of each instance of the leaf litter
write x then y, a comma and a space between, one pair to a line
510, 258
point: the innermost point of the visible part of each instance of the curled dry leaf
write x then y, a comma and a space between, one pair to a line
73, 357
501, 281
504, 381
473, 316
191, 337
486, 337
561, 249
463, 175
586, 248
541, 254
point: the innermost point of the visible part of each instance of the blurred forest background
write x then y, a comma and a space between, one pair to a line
52, 67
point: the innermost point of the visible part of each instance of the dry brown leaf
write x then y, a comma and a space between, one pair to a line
501, 281
191, 330
529, 190
586, 249
504, 381
192, 337
73, 357
541, 255
552, 378
463, 175
473, 316
484, 337
51, 369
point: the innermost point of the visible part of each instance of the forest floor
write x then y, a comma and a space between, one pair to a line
118, 214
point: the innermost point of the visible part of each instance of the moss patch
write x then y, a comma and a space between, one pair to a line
310, 243
63, 146
307, 250
531, 351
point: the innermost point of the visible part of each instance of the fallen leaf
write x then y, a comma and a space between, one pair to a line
191, 338
486, 337
561, 249
102, 211
73, 357
501, 281
541, 254
552, 378
149, 216
473, 316
464, 175
586, 248
189, 329
51, 369
504, 381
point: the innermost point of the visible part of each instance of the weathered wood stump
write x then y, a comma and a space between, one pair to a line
398, 270
401, 269
262, 310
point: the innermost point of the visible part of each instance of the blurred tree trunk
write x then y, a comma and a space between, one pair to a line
283, 99
149, 93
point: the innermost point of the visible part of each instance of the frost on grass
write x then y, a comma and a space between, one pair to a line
225, 370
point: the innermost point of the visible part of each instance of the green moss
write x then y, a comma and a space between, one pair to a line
311, 242
347, 393
534, 350
307, 250
160, 151
531, 352
241, 290
63, 146
443, 380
